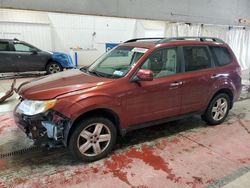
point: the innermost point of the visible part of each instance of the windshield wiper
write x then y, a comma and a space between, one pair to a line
99, 74
84, 69
95, 73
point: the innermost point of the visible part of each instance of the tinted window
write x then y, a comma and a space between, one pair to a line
23, 47
222, 56
162, 62
196, 58
4, 46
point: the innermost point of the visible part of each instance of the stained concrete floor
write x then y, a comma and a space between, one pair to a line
184, 153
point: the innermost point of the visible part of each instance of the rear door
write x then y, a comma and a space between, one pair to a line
197, 78
28, 58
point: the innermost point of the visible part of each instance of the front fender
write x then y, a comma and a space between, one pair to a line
74, 106
63, 59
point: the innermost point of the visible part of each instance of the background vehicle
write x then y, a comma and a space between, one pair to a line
19, 56
140, 83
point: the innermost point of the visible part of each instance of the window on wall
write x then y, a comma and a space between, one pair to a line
20, 47
162, 62
221, 54
4, 46
196, 58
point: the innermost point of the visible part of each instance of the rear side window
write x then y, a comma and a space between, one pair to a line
221, 55
196, 58
4, 46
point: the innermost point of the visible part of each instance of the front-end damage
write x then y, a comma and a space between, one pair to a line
46, 129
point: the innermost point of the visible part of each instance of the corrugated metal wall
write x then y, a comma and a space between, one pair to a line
33, 27
36, 34
89, 33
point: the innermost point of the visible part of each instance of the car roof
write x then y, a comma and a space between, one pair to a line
10, 40
174, 41
6, 40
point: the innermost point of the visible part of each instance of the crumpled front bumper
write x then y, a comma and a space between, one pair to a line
49, 126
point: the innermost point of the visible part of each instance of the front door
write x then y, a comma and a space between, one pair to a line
160, 98
28, 58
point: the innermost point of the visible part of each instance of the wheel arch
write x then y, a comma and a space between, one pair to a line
51, 60
227, 91
104, 112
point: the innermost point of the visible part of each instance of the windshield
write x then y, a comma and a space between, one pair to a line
117, 62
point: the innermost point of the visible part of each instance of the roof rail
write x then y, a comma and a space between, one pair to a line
150, 38
203, 39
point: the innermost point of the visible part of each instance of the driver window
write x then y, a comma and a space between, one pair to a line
162, 62
19, 47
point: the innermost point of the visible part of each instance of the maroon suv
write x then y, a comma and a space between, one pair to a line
140, 83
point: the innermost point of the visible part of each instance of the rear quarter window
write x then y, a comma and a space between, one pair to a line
4, 46
221, 55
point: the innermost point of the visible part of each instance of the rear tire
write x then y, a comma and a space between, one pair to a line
53, 67
217, 110
93, 139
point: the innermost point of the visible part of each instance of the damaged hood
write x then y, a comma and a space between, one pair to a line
51, 86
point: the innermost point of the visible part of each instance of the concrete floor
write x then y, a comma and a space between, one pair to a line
185, 153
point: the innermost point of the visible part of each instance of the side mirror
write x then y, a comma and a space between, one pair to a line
33, 51
144, 75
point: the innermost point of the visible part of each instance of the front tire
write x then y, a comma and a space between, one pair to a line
217, 110
53, 67
93, 139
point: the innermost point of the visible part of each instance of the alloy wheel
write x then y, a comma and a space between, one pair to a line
219, 109
54, 68
94, 139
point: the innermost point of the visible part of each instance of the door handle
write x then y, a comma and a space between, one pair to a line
18, 56
175, 84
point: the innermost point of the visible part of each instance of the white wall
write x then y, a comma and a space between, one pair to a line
37, 34
33, 27
149, 28
88, 34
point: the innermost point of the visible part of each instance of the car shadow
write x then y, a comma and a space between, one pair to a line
61, 157
160, 131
